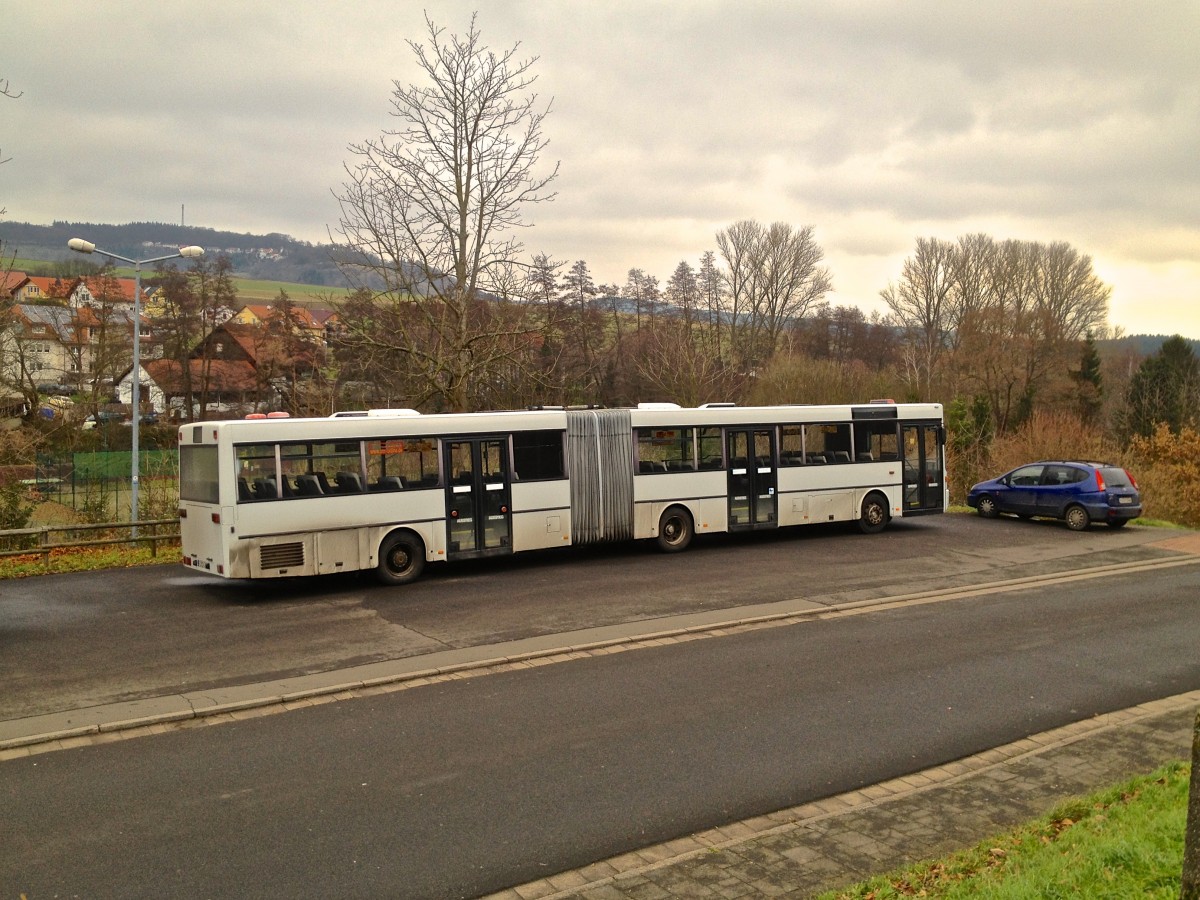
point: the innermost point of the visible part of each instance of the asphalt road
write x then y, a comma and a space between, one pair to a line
79, 640
460, 788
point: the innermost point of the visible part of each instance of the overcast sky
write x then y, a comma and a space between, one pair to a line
875, 123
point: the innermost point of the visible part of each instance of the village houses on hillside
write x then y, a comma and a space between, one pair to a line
74, 336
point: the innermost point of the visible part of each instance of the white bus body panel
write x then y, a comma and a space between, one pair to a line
541, 514
701, 493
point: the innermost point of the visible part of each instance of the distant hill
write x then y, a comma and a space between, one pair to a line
1141, 345
270, 257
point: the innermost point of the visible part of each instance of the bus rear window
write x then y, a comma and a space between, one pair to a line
198, 474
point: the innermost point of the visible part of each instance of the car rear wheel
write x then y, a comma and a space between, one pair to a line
1077, 518
987, 507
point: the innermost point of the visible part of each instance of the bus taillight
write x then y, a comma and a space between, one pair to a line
216, 517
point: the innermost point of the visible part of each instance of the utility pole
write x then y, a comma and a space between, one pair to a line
1189, 888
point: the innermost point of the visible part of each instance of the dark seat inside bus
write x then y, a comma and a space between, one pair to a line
348, 483
244, 492
388, 483
308, 486
323, 481
264, 489
841, 456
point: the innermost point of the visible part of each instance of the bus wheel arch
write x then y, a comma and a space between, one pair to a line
675, 529
401, 557
874, 514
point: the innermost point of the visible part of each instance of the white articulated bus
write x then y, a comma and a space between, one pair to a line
391, 490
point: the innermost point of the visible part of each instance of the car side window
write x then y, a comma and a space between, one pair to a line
1055, 475
1026, 476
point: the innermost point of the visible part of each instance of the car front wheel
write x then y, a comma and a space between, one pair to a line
987, 507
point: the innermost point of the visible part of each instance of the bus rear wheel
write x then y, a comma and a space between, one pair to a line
875, 515
401, 558
675, 530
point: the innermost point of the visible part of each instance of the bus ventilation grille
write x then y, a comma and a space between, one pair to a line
281, 556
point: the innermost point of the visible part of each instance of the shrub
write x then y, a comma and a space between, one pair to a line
1167, 468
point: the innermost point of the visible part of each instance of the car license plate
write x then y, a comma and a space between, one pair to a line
1125, 500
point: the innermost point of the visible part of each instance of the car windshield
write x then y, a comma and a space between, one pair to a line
1115, 477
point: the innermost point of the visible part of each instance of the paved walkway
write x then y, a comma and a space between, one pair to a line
836, 842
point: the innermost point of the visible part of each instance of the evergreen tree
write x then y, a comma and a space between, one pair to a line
1089, 382
1166, 389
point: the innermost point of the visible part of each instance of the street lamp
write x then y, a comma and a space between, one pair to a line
82, 246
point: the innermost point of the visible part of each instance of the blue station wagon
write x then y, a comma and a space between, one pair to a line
1079, 493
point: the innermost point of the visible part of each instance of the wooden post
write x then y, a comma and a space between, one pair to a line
1189, 888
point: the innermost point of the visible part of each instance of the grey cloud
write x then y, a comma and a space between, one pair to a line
873, 121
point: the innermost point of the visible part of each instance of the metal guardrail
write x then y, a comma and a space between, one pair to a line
154, 532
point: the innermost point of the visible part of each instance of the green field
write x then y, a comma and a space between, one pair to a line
250, 290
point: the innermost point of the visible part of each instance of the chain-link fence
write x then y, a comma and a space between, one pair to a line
97, 484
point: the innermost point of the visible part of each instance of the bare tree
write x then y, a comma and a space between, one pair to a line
921, 305
429, 211
774, 276
1006, 317
213, 297
7, 91
643, 290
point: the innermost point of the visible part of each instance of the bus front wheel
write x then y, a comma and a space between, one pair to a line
675, 530
401, 558
875, 514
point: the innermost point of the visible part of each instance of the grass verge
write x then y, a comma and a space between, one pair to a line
1123, 842
70, 559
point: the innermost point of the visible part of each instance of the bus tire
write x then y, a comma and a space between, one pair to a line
401, 558
675, 529
875, 515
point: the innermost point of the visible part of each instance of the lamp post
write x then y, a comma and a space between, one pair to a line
82, 246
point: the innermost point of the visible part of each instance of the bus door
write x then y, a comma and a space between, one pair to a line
752, 478
478, 511
924, 488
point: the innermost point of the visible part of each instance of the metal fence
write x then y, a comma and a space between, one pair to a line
99, 481
44, 540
